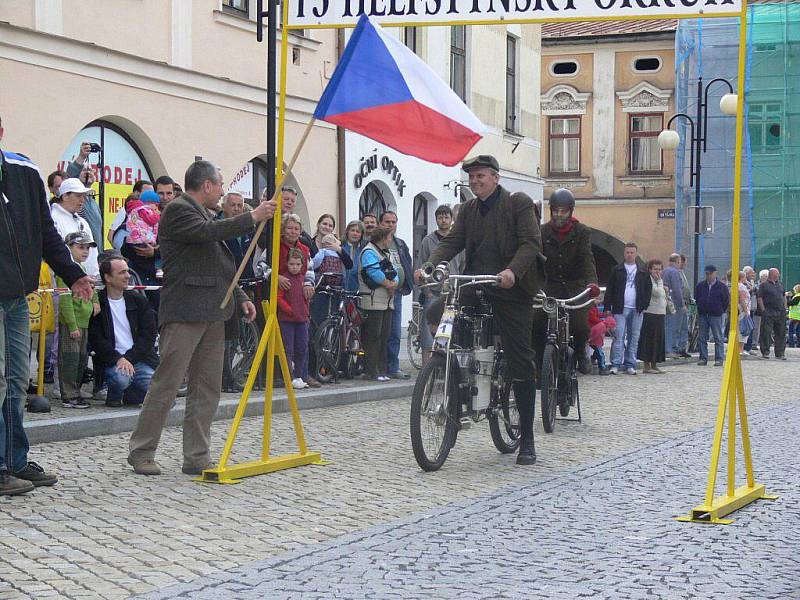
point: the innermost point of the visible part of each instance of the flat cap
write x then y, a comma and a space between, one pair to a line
711, 269
482, 160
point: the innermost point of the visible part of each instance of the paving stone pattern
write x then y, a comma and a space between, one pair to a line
104, 532
603, 531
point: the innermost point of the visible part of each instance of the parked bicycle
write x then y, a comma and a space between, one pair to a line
694, 328
241, 350
559, 378
337, 341
466, 380
414, 335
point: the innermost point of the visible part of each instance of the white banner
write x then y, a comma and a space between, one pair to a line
332, 13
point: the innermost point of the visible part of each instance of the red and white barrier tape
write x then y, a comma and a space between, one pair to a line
147, 288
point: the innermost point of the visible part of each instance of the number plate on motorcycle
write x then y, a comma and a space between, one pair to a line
445, 330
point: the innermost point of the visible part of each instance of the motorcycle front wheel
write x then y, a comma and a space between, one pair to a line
433, 418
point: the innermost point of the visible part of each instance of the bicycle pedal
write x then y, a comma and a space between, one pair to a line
465, 424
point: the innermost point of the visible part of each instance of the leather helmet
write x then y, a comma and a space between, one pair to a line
562, 198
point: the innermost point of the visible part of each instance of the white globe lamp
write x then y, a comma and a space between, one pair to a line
669, 139
729, 104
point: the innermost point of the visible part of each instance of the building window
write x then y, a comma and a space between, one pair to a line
458, 60
511, 84
410, 38
236, 7
420, 225
764, 126
564, 68
646, 64
565, 145
371, 202
645, 152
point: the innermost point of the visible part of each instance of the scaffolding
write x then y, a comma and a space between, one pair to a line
771, 159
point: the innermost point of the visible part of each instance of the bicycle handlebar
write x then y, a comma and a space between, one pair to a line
337, 290
543, 299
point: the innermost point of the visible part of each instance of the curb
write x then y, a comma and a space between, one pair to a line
75, 428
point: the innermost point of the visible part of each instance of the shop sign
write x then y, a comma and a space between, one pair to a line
305, 13
369, 164
122, 167
242, 182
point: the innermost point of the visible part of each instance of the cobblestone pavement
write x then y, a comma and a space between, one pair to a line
105, 532
602, 531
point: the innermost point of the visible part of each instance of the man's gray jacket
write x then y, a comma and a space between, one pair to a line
672, 279
198, 266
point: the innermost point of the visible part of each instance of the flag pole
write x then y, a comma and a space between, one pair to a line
261, 225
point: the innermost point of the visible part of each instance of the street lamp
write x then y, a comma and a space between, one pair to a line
698, 127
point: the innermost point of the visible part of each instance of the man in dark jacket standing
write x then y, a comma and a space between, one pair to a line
401, 259
500, 235
27, 235
569, 269
627, 296
198, 268
123, 335
713, 299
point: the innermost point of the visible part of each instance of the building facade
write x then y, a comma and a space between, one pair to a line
770, 193
160, 82
607, 91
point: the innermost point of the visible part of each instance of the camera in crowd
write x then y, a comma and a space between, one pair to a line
95, 147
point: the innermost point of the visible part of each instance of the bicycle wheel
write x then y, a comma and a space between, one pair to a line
414, 345
433, 425
244, 352
694, 335
549, 391
328, 350
352, 363
504, 417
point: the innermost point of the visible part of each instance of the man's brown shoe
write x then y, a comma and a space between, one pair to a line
13, 486
144, 466
36, 475
192, 470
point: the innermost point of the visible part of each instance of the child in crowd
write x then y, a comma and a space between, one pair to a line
293, 316
326, 260
73, 319
599, 328
143, 217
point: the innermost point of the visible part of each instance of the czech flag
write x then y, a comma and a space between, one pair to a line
384, 91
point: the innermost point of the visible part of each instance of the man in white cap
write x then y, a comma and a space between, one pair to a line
64, 210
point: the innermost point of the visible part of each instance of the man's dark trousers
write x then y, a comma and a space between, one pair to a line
770, 326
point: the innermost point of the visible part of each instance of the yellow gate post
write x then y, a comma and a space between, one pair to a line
731, 393
271, 343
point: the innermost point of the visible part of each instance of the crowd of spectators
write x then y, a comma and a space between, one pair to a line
649, 312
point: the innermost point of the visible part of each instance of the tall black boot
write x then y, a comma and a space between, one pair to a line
525, 394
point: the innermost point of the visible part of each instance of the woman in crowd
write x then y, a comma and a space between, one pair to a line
353, 238
325, 225
377, 282
744, 324
651, 338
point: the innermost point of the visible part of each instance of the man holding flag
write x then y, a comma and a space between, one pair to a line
500, 235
